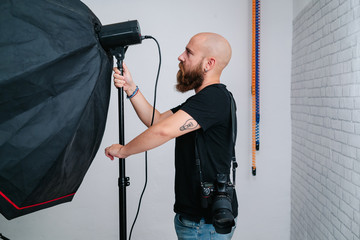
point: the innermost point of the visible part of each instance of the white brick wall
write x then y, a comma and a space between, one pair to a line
325, 108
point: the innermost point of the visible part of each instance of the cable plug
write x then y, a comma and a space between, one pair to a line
145, 37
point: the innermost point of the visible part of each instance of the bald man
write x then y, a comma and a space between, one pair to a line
203, 120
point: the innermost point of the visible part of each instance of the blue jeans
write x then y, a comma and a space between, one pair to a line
189, 230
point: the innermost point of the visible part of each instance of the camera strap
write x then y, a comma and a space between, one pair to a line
234, 132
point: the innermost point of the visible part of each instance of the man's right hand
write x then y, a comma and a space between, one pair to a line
125, 81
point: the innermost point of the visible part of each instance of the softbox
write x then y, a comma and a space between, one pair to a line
54, 97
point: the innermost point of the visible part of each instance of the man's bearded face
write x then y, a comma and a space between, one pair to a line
188, 80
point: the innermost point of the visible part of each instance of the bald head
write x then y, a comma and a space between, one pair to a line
215, 46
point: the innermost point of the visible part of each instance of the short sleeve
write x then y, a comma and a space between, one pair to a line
208, 107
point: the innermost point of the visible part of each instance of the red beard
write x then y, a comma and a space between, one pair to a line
189, 80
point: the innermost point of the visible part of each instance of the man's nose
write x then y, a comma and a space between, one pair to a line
181, 57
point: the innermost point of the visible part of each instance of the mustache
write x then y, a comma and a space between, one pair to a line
180, 73
181, 66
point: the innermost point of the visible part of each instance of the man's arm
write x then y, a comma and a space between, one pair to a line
144, 110
173, 126
142, 107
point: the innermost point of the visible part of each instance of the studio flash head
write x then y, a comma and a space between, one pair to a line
120, 34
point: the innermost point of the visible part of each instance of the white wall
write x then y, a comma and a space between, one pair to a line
325, 109
264, 200
299, 5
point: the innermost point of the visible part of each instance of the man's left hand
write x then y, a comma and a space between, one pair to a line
114, 151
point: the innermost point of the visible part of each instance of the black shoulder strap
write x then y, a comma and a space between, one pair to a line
234, 133
233, 118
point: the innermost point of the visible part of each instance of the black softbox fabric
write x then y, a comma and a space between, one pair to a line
54, 96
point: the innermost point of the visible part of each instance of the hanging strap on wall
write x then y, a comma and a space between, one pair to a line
255, 84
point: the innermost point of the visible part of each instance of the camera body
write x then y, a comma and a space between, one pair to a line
218, 196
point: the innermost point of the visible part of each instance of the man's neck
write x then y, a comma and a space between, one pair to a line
207, 83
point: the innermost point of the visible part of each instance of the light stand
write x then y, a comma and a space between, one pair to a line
123, 181
116, 38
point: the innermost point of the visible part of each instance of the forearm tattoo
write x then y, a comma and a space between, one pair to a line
189, 124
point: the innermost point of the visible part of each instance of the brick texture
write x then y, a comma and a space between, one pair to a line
325, 112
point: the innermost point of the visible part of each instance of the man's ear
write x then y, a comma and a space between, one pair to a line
209, 64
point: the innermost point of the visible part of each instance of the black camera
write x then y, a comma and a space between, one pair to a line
218, 197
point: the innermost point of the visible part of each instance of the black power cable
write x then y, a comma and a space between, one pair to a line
152, 121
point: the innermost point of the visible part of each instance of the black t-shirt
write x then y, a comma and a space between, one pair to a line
211, 109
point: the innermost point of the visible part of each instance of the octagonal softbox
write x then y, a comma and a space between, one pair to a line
54, 97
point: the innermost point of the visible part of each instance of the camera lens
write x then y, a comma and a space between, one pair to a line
223, 219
